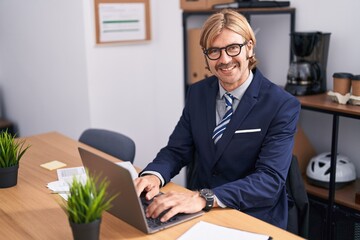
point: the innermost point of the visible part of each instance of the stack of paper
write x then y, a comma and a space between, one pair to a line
65, 178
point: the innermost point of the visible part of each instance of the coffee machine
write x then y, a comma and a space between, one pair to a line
307, 71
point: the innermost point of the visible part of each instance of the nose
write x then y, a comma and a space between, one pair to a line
224, 57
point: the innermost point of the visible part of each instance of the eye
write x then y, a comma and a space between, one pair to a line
233, 48
213, 51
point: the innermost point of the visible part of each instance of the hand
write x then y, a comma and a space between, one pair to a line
150, 184
175, 202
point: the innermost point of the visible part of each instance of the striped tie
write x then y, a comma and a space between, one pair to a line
220, 128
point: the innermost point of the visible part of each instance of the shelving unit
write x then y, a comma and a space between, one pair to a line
345, 196
247, 12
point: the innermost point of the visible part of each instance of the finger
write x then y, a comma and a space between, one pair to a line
152, 193
143, 184
140, 185
169, 213
158, 205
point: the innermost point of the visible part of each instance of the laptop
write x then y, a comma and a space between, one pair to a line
127, 206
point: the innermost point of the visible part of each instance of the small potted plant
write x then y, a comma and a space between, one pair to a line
87, 201
11, 151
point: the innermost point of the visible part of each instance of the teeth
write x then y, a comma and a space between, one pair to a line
227, 69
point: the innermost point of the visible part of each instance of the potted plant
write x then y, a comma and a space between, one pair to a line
11, 151
87, 201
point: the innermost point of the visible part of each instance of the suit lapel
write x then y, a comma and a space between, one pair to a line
247, 102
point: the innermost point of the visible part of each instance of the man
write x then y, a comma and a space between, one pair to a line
243, 163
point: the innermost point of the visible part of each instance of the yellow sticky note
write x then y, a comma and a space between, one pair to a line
53, 165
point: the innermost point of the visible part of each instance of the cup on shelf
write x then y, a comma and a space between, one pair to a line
355, 94
342, 87
342, 82
355, 83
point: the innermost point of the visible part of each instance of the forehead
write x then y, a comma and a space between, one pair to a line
226, 37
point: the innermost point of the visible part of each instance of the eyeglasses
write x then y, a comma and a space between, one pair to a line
231, 50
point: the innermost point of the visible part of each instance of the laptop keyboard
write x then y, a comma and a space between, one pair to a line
155, 222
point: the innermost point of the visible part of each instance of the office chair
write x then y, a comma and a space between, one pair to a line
110, 142
298, 217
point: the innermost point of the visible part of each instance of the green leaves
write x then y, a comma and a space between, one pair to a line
11, 150
88, 200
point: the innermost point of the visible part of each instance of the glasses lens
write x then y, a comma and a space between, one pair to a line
233, 50
213, 53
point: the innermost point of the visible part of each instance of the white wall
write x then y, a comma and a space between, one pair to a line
43, 76
54, 78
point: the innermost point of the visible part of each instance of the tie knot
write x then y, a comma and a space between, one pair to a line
228, 99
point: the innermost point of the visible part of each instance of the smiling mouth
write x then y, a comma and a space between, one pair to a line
227, 67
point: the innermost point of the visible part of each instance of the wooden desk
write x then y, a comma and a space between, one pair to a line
30, 211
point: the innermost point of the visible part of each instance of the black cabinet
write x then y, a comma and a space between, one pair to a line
346, 221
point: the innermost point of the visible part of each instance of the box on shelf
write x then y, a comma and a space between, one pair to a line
201, 4
196, 59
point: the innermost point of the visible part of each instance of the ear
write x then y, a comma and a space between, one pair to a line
250, 47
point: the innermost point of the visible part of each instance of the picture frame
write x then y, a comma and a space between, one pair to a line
122, 21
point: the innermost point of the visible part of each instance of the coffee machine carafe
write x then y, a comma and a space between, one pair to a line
307, 71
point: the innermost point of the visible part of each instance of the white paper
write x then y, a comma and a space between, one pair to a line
67, 174
65, 178
122, 22
216, 232
60, 187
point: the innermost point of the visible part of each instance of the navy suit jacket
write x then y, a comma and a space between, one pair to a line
248, 166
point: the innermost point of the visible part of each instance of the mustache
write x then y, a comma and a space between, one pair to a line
227, 65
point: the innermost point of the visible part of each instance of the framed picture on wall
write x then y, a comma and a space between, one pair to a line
122, 21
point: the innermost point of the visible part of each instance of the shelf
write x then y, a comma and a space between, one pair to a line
323, 103
245, 10
344, 196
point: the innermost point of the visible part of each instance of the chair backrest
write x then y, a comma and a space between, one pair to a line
298, 217
110, 142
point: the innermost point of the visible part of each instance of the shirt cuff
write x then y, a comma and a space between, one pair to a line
219, 203
156, 174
